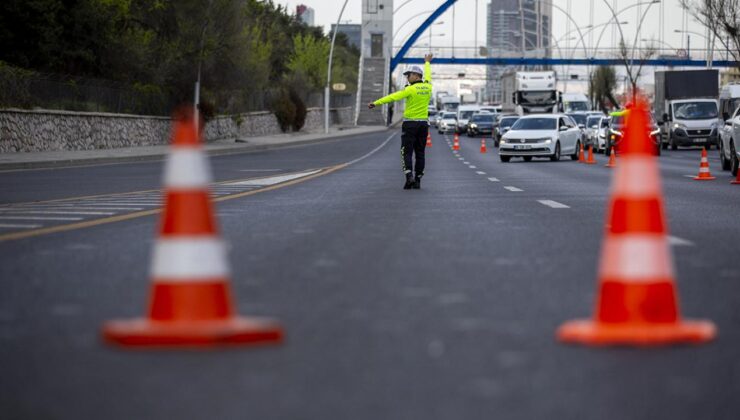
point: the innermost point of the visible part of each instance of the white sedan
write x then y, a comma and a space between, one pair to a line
541, 135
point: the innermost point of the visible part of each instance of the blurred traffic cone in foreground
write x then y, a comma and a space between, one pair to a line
429, 139
590, 160
581, 157
704, 174
190, 299
456, 142
483, 146
612, 159
637, 302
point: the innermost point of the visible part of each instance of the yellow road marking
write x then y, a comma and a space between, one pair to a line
129, 216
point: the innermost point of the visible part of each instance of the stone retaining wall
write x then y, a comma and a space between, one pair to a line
46, 130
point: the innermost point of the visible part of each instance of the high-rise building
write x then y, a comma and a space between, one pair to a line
304, 14
352, 31
515, 28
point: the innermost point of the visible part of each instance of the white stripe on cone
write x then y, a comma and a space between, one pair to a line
637, 177
636, 258
186, 167
189, 259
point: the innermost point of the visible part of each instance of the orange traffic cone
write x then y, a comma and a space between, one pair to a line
483, 146
456, 142
637, 302
190, 300
704, 174
737, 179
581, 157
612, 160
429, 139
590, 160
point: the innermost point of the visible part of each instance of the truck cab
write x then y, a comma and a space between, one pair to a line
691, 122
530, 92
575, 102
686, 106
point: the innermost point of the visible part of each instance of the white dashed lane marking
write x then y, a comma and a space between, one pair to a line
480, 172
513, 189
466, 163
553, 204
492, 179
18, 226
676, 241
39, 218
473, 167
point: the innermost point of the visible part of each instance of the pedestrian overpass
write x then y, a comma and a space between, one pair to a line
589, 59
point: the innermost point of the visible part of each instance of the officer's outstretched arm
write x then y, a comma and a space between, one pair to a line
393, 97
428, 68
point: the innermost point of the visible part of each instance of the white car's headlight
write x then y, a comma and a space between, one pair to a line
473, 125
655, 132
503, 141
679, 125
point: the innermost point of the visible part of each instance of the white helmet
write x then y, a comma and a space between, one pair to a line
413, 69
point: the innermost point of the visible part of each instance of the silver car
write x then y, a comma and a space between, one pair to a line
729, 135
447, 123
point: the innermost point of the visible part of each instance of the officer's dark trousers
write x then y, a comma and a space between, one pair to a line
413, 142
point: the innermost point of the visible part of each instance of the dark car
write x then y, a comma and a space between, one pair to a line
616, 132
503, 125
481, 123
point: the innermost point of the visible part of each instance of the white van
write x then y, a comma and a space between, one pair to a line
464, 112
729, 101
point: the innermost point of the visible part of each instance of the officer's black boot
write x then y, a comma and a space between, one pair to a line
417, 182
409, 181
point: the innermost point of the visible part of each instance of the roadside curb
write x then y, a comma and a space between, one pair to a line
245, 148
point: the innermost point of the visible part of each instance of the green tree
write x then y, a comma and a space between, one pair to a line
310, 57
602, 86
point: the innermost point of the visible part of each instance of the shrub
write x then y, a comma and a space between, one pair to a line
300, 110
284, 109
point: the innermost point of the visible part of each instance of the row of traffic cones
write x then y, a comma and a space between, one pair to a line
191, 303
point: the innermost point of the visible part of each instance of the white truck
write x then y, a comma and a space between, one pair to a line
575, 102
448, 103
530, 92
686, 105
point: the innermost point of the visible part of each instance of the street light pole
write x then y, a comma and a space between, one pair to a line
327, 90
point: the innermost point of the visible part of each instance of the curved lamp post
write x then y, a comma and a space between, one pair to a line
327, 90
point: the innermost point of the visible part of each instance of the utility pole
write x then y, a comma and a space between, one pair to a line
327, 90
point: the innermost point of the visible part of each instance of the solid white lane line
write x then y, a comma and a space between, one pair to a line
689, 176
513, 189
274, 179
554, 204
480, 172
676, 241
39, 218
259, 170
81, 213
493, 179
132, 204
74, 208
372, 152
18, 226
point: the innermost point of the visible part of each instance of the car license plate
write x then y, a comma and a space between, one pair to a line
522, 147
700, 140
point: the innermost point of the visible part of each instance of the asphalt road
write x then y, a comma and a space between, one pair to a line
439, 303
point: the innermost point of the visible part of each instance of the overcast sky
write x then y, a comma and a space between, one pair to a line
327, 11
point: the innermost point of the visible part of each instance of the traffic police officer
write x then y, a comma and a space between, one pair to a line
418, 94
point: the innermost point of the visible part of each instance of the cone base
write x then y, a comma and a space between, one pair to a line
592, 333
704, 178
735, 182
609, 166
141, 332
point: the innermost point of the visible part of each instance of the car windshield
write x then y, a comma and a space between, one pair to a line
537, 98
508, 122
576, 106
695, 110
450, 116
593, 122
604, 122
535, 124
580, 119
464, 115
482, 118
